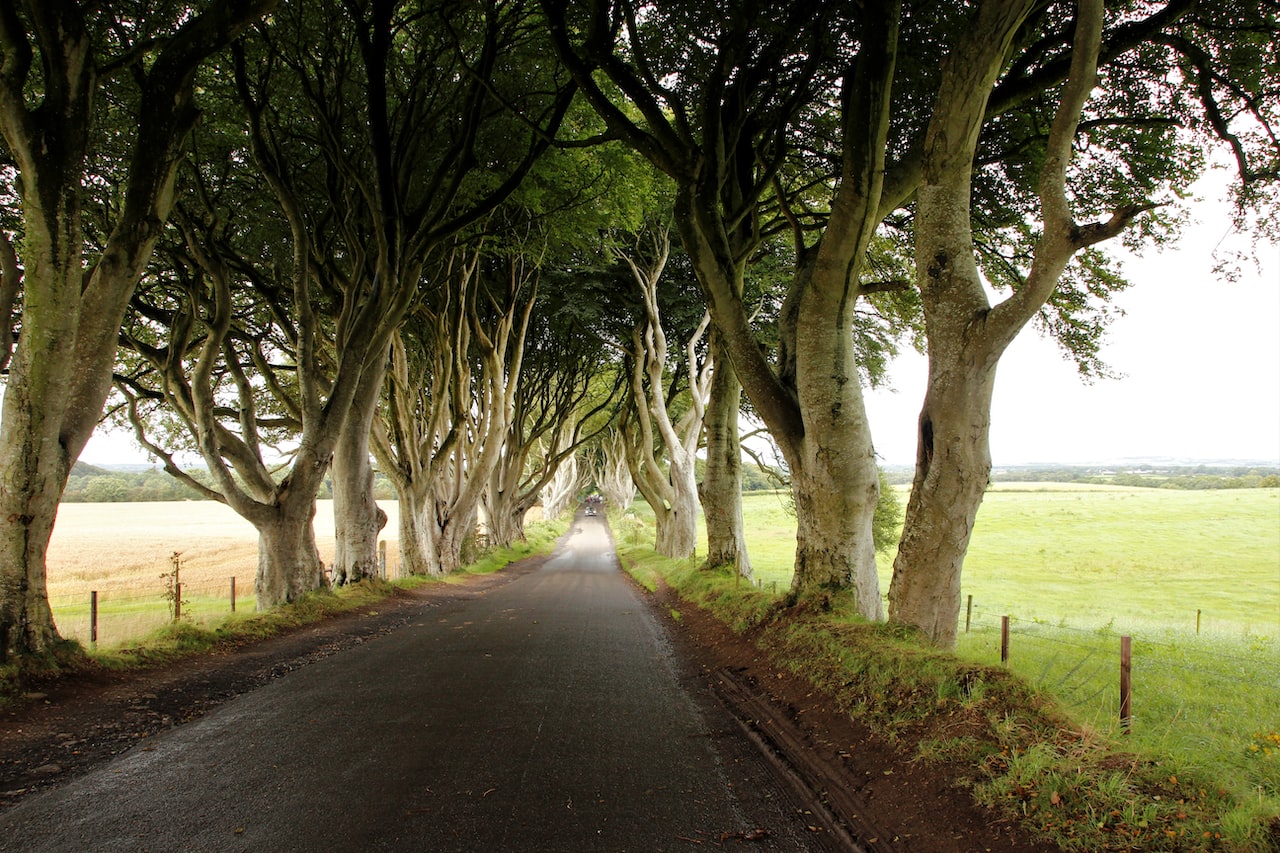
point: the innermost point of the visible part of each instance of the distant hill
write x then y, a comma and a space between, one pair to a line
81, 469
1153, 473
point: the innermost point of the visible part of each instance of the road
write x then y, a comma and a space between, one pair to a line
547, 714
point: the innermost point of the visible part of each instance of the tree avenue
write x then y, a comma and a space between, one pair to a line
421, 234
728, 101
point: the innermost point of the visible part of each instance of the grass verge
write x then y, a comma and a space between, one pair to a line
1015, 747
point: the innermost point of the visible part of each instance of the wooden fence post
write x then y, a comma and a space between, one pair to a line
1126, 669
382, 557
93, 617
1197, 621
968, 613
1004, 640
177, 602
233, 593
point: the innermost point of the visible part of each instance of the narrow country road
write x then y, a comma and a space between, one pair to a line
547, 714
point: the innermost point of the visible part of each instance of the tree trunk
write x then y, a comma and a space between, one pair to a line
954, 426
677, 524
721, 488
415, 558
448, 539
612, 475
834, 476
29, 494
834, 545
506, 521
356, 517
35, 453
966, 335
288, 562
558, 495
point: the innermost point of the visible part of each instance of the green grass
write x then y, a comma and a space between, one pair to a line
1131, 558
1093, 556
1076, 567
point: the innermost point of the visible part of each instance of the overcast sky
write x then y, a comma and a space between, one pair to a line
1199, 359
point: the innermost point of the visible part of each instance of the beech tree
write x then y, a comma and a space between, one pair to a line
563, 400
1137, 147
610, 471
668, 395
455, 371
345, 109
77, 79
831, 118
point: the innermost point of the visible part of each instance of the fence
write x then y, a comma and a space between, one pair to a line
120, 612
1210, 699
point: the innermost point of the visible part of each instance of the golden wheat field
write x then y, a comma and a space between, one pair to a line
122, 550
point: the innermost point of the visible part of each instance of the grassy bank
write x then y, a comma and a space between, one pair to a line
1198, 770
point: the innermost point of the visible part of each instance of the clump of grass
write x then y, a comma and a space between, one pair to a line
1015, 746
19, 675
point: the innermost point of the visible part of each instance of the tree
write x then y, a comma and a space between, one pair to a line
966, 333
454, 377
75, 80
721, 488
822, 117
610, 471
562, 402
382, 130
675, 417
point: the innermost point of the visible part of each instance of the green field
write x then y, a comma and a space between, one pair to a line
1095, 556
1075, 567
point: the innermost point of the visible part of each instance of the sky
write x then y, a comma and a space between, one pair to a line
1198, 360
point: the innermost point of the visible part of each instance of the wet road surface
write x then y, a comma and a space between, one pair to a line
547, 714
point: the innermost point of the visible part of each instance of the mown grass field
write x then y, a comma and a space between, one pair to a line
1092, 556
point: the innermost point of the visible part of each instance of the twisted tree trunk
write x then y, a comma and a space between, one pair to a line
721, 487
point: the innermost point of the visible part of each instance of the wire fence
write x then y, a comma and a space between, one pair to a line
1212, 700
118, 613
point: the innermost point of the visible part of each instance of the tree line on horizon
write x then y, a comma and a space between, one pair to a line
499, 250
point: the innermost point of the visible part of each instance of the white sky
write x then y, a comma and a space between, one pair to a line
1199, 360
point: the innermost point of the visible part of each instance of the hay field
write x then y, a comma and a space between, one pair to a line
121, 550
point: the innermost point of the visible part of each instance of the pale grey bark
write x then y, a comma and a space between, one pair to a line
671, 490
450, 404
559, 493
966, 335
611, 472
558, 409
357, 519
721, 489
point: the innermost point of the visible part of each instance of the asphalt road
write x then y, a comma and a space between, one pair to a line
547, 714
